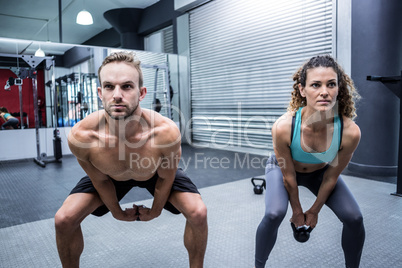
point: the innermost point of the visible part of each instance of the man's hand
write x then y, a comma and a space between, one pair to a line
129, 214
144, 213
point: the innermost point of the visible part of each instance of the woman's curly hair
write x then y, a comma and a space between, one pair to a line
347, 94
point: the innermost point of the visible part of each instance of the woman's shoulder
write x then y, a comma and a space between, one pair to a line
351, 132
284, 121
282, 127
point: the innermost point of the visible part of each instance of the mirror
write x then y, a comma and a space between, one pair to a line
73, 68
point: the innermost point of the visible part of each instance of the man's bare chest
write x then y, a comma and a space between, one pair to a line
127, 163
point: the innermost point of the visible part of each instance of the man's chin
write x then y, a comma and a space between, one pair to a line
117, 115
120, 115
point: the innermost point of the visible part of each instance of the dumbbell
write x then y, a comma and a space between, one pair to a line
301, 233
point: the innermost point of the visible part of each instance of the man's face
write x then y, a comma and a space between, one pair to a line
119, 91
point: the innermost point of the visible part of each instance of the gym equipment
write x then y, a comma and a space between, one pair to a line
167, 90
77, 98
42, 158
29, 70
88, 97
394, 83
259, 188
301, 233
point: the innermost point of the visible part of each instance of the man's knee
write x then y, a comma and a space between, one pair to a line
198, 215
64, 220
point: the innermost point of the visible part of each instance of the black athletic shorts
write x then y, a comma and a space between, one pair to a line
182, 183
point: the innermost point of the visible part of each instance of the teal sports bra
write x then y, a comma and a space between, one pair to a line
300, 155
6, 116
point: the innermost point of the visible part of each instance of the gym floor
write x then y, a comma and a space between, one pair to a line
30, 196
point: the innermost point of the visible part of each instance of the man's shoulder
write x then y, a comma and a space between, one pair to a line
165, 130
83, 131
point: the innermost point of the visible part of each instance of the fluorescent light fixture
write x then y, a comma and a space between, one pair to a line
40, 53
84, 18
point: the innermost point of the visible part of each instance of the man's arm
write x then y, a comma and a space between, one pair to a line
80, 144
171, 152
107, 192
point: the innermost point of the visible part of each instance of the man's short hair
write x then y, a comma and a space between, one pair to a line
127, 57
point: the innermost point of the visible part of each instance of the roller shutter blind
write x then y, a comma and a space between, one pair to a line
168, 40
242, 57
149, 79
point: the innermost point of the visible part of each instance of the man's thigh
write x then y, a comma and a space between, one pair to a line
80, 205
186, 202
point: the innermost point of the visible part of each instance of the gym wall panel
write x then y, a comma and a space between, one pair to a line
242, 58
21, 143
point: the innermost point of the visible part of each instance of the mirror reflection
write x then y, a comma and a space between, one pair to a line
59, 89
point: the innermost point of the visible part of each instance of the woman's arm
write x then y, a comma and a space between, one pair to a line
281, 132
350, 141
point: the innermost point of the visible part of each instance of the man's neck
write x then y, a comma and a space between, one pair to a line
125, 127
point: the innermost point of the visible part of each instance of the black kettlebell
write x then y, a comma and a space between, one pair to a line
258, 188
301, 233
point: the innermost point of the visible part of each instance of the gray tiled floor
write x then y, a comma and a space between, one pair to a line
30, 195
234, 213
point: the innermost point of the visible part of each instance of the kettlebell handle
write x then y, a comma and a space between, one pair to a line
309, 229
259, 179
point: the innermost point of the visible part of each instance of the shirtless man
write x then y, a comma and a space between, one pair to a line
121, 147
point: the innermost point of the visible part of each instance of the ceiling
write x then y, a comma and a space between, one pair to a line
38, 20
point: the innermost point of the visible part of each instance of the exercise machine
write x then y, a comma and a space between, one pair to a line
27, 68
394, 83
167, 92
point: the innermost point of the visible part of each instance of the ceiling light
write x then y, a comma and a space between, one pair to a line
40, 53
84, 18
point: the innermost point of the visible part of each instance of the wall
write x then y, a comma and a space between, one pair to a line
23, 145
376, 50
344, 35
184, 65
184, 5
153, 18
157, 16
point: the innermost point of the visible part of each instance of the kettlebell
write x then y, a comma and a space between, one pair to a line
301, 233
259, 188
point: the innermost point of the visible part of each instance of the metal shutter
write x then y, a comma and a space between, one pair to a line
242, 57
168, 40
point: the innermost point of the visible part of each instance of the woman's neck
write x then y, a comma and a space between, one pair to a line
317, 120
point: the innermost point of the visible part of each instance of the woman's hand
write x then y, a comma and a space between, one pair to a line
311, 218
298, 219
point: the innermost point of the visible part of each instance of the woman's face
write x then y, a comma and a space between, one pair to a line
321, 88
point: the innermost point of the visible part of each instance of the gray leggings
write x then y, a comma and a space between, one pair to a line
341, 202
12, 122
